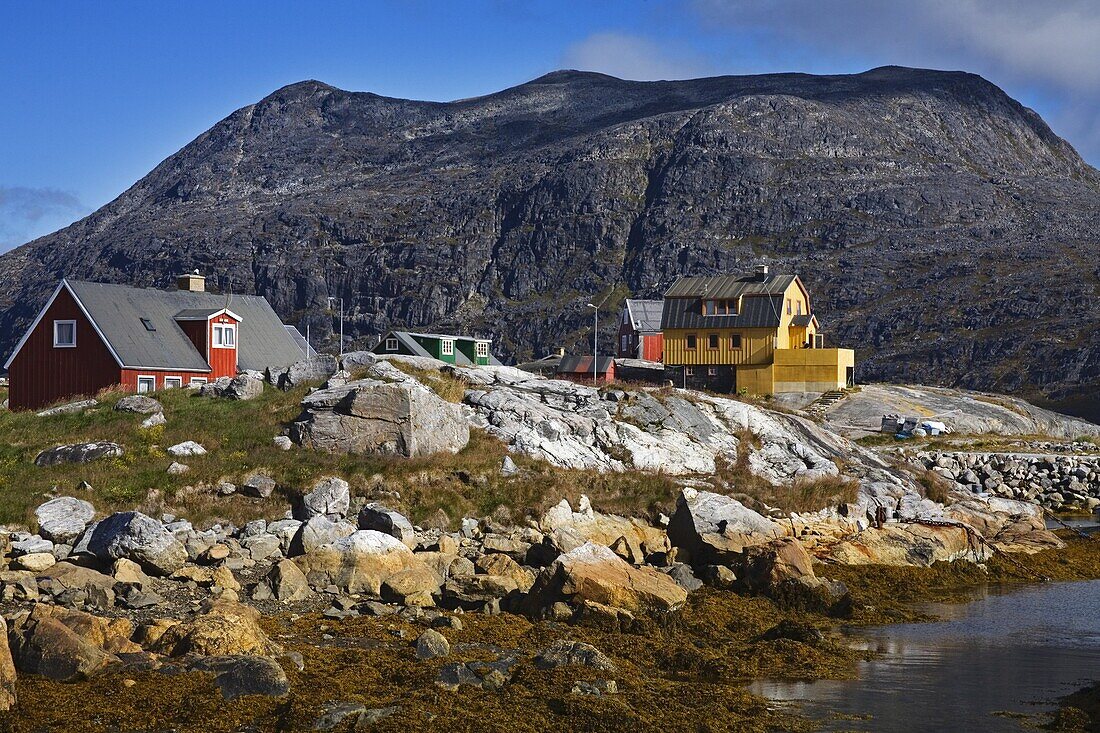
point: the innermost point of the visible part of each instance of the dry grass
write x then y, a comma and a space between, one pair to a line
934, 487
447, 387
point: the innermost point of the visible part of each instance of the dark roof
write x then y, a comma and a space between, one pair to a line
645, 315
729, 286
757, 311
583, 365
196, 314
802, 320
117, 311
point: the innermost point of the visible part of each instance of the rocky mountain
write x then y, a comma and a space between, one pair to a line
945, 231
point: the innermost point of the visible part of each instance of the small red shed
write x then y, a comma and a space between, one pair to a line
580, 369
90, 336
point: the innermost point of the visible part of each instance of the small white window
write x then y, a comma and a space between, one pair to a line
391, 344
147, 384
64, 334
448, 347
482, 349
625, 343
712, 371
173, 382
225, 336
195, 381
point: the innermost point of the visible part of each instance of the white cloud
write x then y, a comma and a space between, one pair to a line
631, 57
26, 213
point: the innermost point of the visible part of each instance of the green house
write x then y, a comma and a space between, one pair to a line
458, 350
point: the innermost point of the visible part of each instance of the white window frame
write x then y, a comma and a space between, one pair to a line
58, 344
224, 328
624, 343
196, 381
447, 347
173, 382
391, 344
146, 378
481, 349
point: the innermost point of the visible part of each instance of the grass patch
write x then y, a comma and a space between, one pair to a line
446, 386
934, 487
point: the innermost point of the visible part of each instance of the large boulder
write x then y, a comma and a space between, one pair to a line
7, 670
712, 528
69, 408
139, 404
388, 418
224, 628
377, 517
64, 519
318, 531
593, 573
44, 644
764, 567
636, 538
136, 537
244, 386
360, 563
330, 497
78, 453
239, 676
316, 369
287, 582
907, 544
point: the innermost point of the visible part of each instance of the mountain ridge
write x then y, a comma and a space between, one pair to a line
939, 223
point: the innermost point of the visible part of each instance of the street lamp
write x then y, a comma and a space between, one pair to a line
330, 300
595, 342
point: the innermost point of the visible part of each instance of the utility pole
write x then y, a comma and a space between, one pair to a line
330, 299
595, 342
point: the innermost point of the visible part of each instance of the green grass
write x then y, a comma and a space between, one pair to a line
238, 436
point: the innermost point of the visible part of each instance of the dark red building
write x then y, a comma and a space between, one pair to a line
90, 336
580, 369
640, 334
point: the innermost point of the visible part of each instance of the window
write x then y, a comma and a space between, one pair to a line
735, 341
148, 324
64, 334
482, 349
798, 306
173, 382
788, 306
712, 341
712, 371
710, 307
147, 384
691, 341
196, 381
447, 346
624, 341
391, 344
689, 371
225, 336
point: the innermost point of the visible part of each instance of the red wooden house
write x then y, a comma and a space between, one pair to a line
640, 335
90, 336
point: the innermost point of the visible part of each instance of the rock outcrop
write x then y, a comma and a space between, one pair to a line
78, 453
374, 417
137, 537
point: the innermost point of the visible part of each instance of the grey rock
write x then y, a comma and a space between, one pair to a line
186, 448
136, 537
155, 420
64, 518
69, 408
377, 517
282, 442
329, 497
318, 531
431, 644
246, 675
565, 652
257, 485
317, 369
139, 404
78, 453
177, 469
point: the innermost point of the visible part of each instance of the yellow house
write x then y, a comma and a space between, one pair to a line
756, 333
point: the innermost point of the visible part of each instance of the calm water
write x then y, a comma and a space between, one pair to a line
1012, 650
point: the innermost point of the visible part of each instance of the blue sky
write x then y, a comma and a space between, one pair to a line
94, 94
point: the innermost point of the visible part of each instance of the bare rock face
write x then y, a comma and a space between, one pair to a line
64, 519
909, 544
370, 416
632, 538
594, 574
361, 563
244, 386
78, 453
711, 527
317, 369
330, 497
67, 645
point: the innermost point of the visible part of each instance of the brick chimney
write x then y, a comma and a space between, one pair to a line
192, 282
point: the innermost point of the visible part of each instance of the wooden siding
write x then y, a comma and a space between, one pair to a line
129, 377
198, 333
41, 374
223, 362
653, 347
757, 347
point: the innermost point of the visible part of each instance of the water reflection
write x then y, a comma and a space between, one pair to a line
1012, 650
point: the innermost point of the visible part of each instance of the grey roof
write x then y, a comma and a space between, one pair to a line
307, 350
408, 340
645, 315
729, 286
117, 311
196, 314
757, 311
